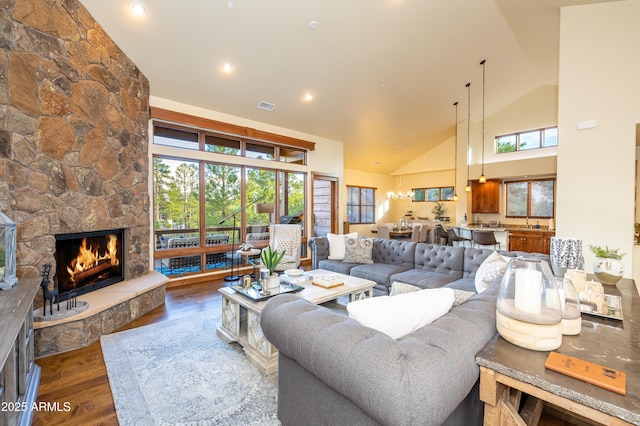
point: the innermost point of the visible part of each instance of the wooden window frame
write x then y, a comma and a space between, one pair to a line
529, 182
360, 205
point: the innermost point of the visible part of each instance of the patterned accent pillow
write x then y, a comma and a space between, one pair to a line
358, 250
492, 268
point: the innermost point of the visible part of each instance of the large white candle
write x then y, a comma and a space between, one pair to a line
528, 291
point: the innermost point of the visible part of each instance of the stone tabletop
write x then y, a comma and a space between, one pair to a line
609, 342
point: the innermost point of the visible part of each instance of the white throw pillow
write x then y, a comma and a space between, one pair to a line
402, 314
337, 246
492, 268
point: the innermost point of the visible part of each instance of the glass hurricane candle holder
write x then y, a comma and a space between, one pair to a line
7, 252
570, 302
529, 310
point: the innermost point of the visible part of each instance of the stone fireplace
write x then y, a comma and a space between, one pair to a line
73, 152
74, 116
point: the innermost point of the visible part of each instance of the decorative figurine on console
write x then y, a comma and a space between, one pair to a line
48, 295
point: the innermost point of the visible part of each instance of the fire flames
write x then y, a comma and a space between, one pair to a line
90, 258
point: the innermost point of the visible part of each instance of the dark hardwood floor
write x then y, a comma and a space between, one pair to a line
77, 380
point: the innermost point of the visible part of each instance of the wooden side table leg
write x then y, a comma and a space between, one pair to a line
492, 394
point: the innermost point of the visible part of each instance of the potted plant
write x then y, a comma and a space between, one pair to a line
607, 267
439, 210
270, 260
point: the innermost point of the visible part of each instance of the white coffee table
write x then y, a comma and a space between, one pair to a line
241, 315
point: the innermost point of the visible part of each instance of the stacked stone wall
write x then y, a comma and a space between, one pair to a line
74, 113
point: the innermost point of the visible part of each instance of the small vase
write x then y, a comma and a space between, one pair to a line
608, 271
274, 281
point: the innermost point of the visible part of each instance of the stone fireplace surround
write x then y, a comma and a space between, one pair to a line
74, 113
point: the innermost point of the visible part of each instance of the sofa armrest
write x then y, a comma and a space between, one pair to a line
319, 247
417, 379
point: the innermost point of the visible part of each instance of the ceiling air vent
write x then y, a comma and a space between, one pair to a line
266, 106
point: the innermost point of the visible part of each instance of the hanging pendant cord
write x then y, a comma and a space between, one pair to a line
483, 84
468, 126
455, 166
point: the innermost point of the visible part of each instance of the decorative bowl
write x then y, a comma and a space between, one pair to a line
294, 272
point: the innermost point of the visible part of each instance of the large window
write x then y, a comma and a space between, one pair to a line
361, 204
533, 198
523, 141
204, 208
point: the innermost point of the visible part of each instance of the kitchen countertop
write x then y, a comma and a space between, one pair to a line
505, 228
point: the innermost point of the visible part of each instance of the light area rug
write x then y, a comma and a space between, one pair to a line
179, 372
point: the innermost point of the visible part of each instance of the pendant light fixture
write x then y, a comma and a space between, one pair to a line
455, 166
483, 178
468, 86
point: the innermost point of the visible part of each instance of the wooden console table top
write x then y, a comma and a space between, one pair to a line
608, 342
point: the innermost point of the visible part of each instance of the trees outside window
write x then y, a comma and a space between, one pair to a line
203, 178
533, 198
530, 139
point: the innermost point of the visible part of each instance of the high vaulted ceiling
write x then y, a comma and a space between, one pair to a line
384, 74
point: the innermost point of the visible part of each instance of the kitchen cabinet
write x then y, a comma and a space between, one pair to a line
485, 197
530, 241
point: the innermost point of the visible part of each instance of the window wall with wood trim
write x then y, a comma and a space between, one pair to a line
206, 188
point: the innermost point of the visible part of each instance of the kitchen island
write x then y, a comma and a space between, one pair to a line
514, 237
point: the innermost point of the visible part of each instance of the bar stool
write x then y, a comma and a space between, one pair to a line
454, 237
485, 238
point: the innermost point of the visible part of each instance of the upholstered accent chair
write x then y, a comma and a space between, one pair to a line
289, 239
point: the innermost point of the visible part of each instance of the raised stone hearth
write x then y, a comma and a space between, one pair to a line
110, 308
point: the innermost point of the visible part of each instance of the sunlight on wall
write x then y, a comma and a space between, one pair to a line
383, 209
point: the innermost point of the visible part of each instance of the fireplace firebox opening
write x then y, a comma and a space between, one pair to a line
87, 261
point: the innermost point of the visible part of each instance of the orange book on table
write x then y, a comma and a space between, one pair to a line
596, 374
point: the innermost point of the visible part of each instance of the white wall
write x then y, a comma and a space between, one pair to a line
599, 69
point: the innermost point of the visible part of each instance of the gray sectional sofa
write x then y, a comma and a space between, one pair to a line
333, 370
420, 264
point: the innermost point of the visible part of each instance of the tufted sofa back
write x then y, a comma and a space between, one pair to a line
474, 257
393, 252
442, 259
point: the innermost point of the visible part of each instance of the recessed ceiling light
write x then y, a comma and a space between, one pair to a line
138, 7
313, 25
230, 4
227, 66
308, 97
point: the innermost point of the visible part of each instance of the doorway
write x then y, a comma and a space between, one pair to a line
324, 204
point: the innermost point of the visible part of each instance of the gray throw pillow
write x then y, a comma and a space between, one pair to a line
460, 296
358, 250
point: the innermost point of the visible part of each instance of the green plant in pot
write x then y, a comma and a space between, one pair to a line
439, 210
607, 267
270, 260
